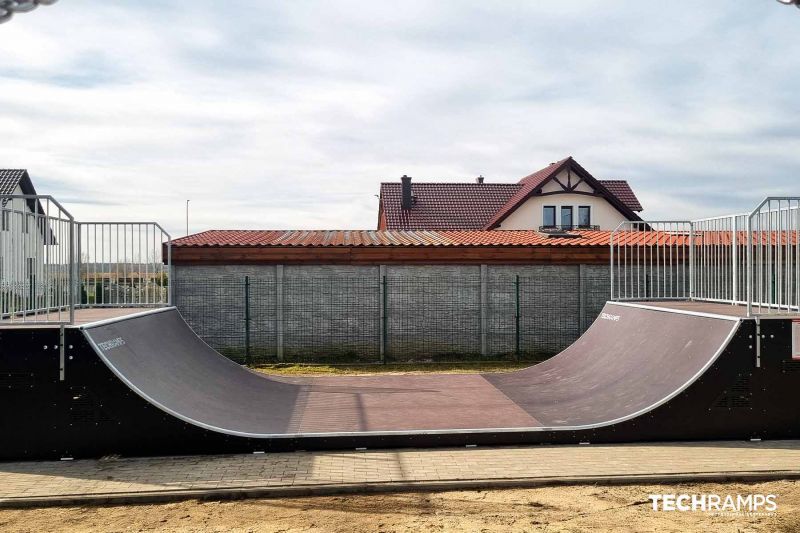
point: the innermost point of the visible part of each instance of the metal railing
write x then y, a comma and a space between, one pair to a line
50, 264
36, 259
720, 259
650, 260
774, 256
747, 259
568, 227
120, 264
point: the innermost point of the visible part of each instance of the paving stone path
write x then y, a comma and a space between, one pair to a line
172, 478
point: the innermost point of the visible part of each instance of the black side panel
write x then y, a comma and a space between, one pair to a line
92, 413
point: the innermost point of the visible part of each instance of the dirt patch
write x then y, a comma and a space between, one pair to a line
552, 509
289, 369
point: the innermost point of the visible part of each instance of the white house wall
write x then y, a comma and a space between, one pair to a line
14, 240
529, 215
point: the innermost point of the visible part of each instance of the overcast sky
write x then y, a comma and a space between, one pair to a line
290, 114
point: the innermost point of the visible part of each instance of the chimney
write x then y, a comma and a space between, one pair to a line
407, 200
479, 179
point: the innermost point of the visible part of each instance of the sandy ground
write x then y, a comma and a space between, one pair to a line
553, 509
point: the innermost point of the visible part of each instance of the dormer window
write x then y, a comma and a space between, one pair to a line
566, 217
584, 216
549, 216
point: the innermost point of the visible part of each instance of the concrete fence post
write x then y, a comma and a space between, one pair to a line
382, 313
246, 320
483, 309
279, 312
581, 298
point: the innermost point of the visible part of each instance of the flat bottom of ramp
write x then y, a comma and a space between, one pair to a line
162, 479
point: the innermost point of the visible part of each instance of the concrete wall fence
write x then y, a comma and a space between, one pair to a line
389, 313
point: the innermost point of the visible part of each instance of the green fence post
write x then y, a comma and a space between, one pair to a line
385, 320
516, 317
246, 320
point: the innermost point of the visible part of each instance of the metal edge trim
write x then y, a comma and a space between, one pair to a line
678, 311
107, 321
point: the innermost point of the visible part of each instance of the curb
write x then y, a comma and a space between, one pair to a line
238, 493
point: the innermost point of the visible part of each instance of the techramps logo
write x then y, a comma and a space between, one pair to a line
717, 504
111, 344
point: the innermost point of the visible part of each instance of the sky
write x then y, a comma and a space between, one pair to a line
289, 115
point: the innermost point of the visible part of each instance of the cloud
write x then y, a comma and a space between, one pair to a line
289, 115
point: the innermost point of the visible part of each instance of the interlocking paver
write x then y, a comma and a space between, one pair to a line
22, 480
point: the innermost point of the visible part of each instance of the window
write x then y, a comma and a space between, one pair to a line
549, 216
4, 225
566, 216
584, 216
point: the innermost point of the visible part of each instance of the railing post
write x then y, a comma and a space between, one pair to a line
749, 266
611, 269
246, 320
692, 269
76, 290
734, 259
170, 294
71, 253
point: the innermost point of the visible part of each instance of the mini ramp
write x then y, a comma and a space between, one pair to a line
146, 384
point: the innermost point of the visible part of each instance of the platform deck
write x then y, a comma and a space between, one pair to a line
714, 308
82, 317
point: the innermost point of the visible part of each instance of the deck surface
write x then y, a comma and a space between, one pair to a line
82, 317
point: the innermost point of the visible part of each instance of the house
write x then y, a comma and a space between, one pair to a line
561, 196
23, 226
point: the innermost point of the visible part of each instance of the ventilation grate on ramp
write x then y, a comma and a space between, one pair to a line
738, 396
790, 366
10, 379
85, 408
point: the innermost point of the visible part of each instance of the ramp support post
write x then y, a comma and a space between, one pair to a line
758, 342
61, 358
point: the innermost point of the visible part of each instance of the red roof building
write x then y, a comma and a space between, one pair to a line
562, 195
377, 247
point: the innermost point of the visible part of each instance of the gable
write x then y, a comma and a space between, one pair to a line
564, 176
566, 181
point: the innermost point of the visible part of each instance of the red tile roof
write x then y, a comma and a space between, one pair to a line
306, 238
462, 206
622, 190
